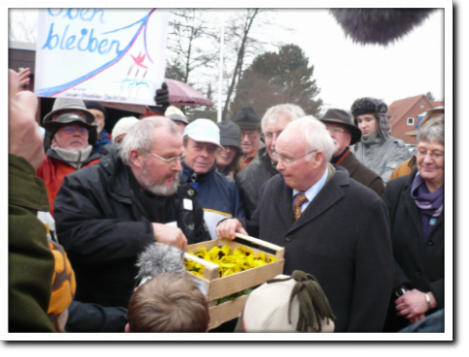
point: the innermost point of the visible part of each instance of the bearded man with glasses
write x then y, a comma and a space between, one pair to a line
107, 214
330, 225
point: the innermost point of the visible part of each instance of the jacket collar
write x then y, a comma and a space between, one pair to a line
189, 175
265, 159
327, 197
373, 139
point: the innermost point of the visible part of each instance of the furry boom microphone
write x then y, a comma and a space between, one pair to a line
378, 26
158, 259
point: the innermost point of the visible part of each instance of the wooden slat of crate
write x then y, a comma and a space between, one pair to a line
227, 311
218, 288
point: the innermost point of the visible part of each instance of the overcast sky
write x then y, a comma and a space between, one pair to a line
345, 71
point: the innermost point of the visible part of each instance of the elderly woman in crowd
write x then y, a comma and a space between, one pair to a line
376, 149
415, 204
228, 158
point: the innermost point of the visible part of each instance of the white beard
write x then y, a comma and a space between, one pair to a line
158, 188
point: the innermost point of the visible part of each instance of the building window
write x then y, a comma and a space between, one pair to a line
421, 105
410, 121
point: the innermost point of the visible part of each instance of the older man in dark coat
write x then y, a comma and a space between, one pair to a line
344, 133
331, 227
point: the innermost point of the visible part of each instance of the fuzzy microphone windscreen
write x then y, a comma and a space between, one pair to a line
160, 258
378, 26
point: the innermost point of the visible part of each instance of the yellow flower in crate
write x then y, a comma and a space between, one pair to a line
230, 262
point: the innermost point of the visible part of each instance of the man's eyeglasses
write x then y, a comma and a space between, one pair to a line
72, 130
290, 161
171, 160
336, 130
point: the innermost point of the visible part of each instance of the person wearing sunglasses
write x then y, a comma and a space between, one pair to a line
331, 226
71, 140
109, 213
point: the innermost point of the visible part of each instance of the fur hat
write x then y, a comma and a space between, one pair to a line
372, 106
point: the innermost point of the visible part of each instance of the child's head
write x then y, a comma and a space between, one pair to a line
168, 302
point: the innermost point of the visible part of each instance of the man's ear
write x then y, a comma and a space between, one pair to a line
349, 135
136, 158
127, 328
318, 159
54, 143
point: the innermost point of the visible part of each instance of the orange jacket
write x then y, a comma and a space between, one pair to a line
53, 170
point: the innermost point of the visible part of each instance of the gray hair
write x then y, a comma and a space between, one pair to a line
140, 135
293, 111
315, 134
433, 130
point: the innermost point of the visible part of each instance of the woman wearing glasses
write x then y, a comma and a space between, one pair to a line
415, 204
376, 149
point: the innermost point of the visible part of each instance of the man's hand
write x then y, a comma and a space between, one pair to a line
169, 235
412, 305
23, 78
228, 229
25, 138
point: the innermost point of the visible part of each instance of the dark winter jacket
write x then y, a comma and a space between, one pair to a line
342, 238
95, 318
30, 261
103, 228
251, 179
363, 174
217, 195
419, 265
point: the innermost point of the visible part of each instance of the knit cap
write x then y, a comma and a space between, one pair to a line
122, 127
293, 303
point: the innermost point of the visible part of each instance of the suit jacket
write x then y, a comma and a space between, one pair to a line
363, 174
342, 238
417, 264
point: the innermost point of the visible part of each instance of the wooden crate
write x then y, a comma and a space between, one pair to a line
217, 288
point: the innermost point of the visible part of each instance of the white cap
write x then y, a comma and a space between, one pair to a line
203, 130
123, 126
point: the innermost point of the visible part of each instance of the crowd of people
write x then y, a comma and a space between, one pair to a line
360, 217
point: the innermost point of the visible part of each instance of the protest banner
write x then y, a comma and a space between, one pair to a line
112, 55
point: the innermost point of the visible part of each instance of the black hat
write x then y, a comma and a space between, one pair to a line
230, 134
68, 118
96, 105
247, 118
341, 117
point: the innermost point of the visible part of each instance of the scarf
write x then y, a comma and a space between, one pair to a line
72, 157
430, 204
337, 160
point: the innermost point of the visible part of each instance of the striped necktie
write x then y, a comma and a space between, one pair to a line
300, 198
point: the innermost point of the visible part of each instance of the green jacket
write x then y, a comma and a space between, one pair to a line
30, 261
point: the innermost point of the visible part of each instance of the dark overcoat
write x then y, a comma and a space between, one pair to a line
363, 174
342, 238
419, 265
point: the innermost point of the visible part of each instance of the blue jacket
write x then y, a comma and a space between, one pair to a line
218, 196
102, 140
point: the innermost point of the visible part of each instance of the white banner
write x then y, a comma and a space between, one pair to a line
112, 55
